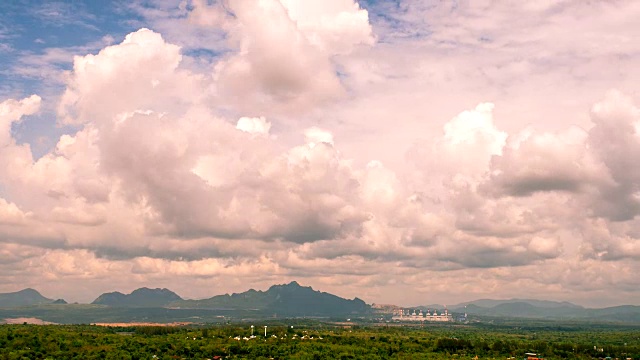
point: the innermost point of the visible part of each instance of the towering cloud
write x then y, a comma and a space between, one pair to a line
285, 49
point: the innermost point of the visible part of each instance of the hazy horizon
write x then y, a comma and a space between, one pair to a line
450, 305
404, 152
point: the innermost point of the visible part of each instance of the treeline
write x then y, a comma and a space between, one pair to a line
312, 341
561, 350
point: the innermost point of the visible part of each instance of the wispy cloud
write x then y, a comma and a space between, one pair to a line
49, 64
61, 14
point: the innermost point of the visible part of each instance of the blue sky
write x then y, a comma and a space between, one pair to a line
39, 41
390, 150
32, 28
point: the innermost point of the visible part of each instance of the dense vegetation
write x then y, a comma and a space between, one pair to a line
314, 340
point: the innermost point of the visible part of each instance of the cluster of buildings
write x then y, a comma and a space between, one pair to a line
418, 315
399, 314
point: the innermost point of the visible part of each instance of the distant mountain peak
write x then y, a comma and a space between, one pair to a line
143, 290
28, 291
24, 297
141, 297
292, 284
290, 299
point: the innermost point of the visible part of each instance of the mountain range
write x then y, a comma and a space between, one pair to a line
537, 309
290, 299
487, 303
286, 300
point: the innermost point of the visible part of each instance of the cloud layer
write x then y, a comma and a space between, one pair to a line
293, 155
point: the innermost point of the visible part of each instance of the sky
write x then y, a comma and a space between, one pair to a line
405, 152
